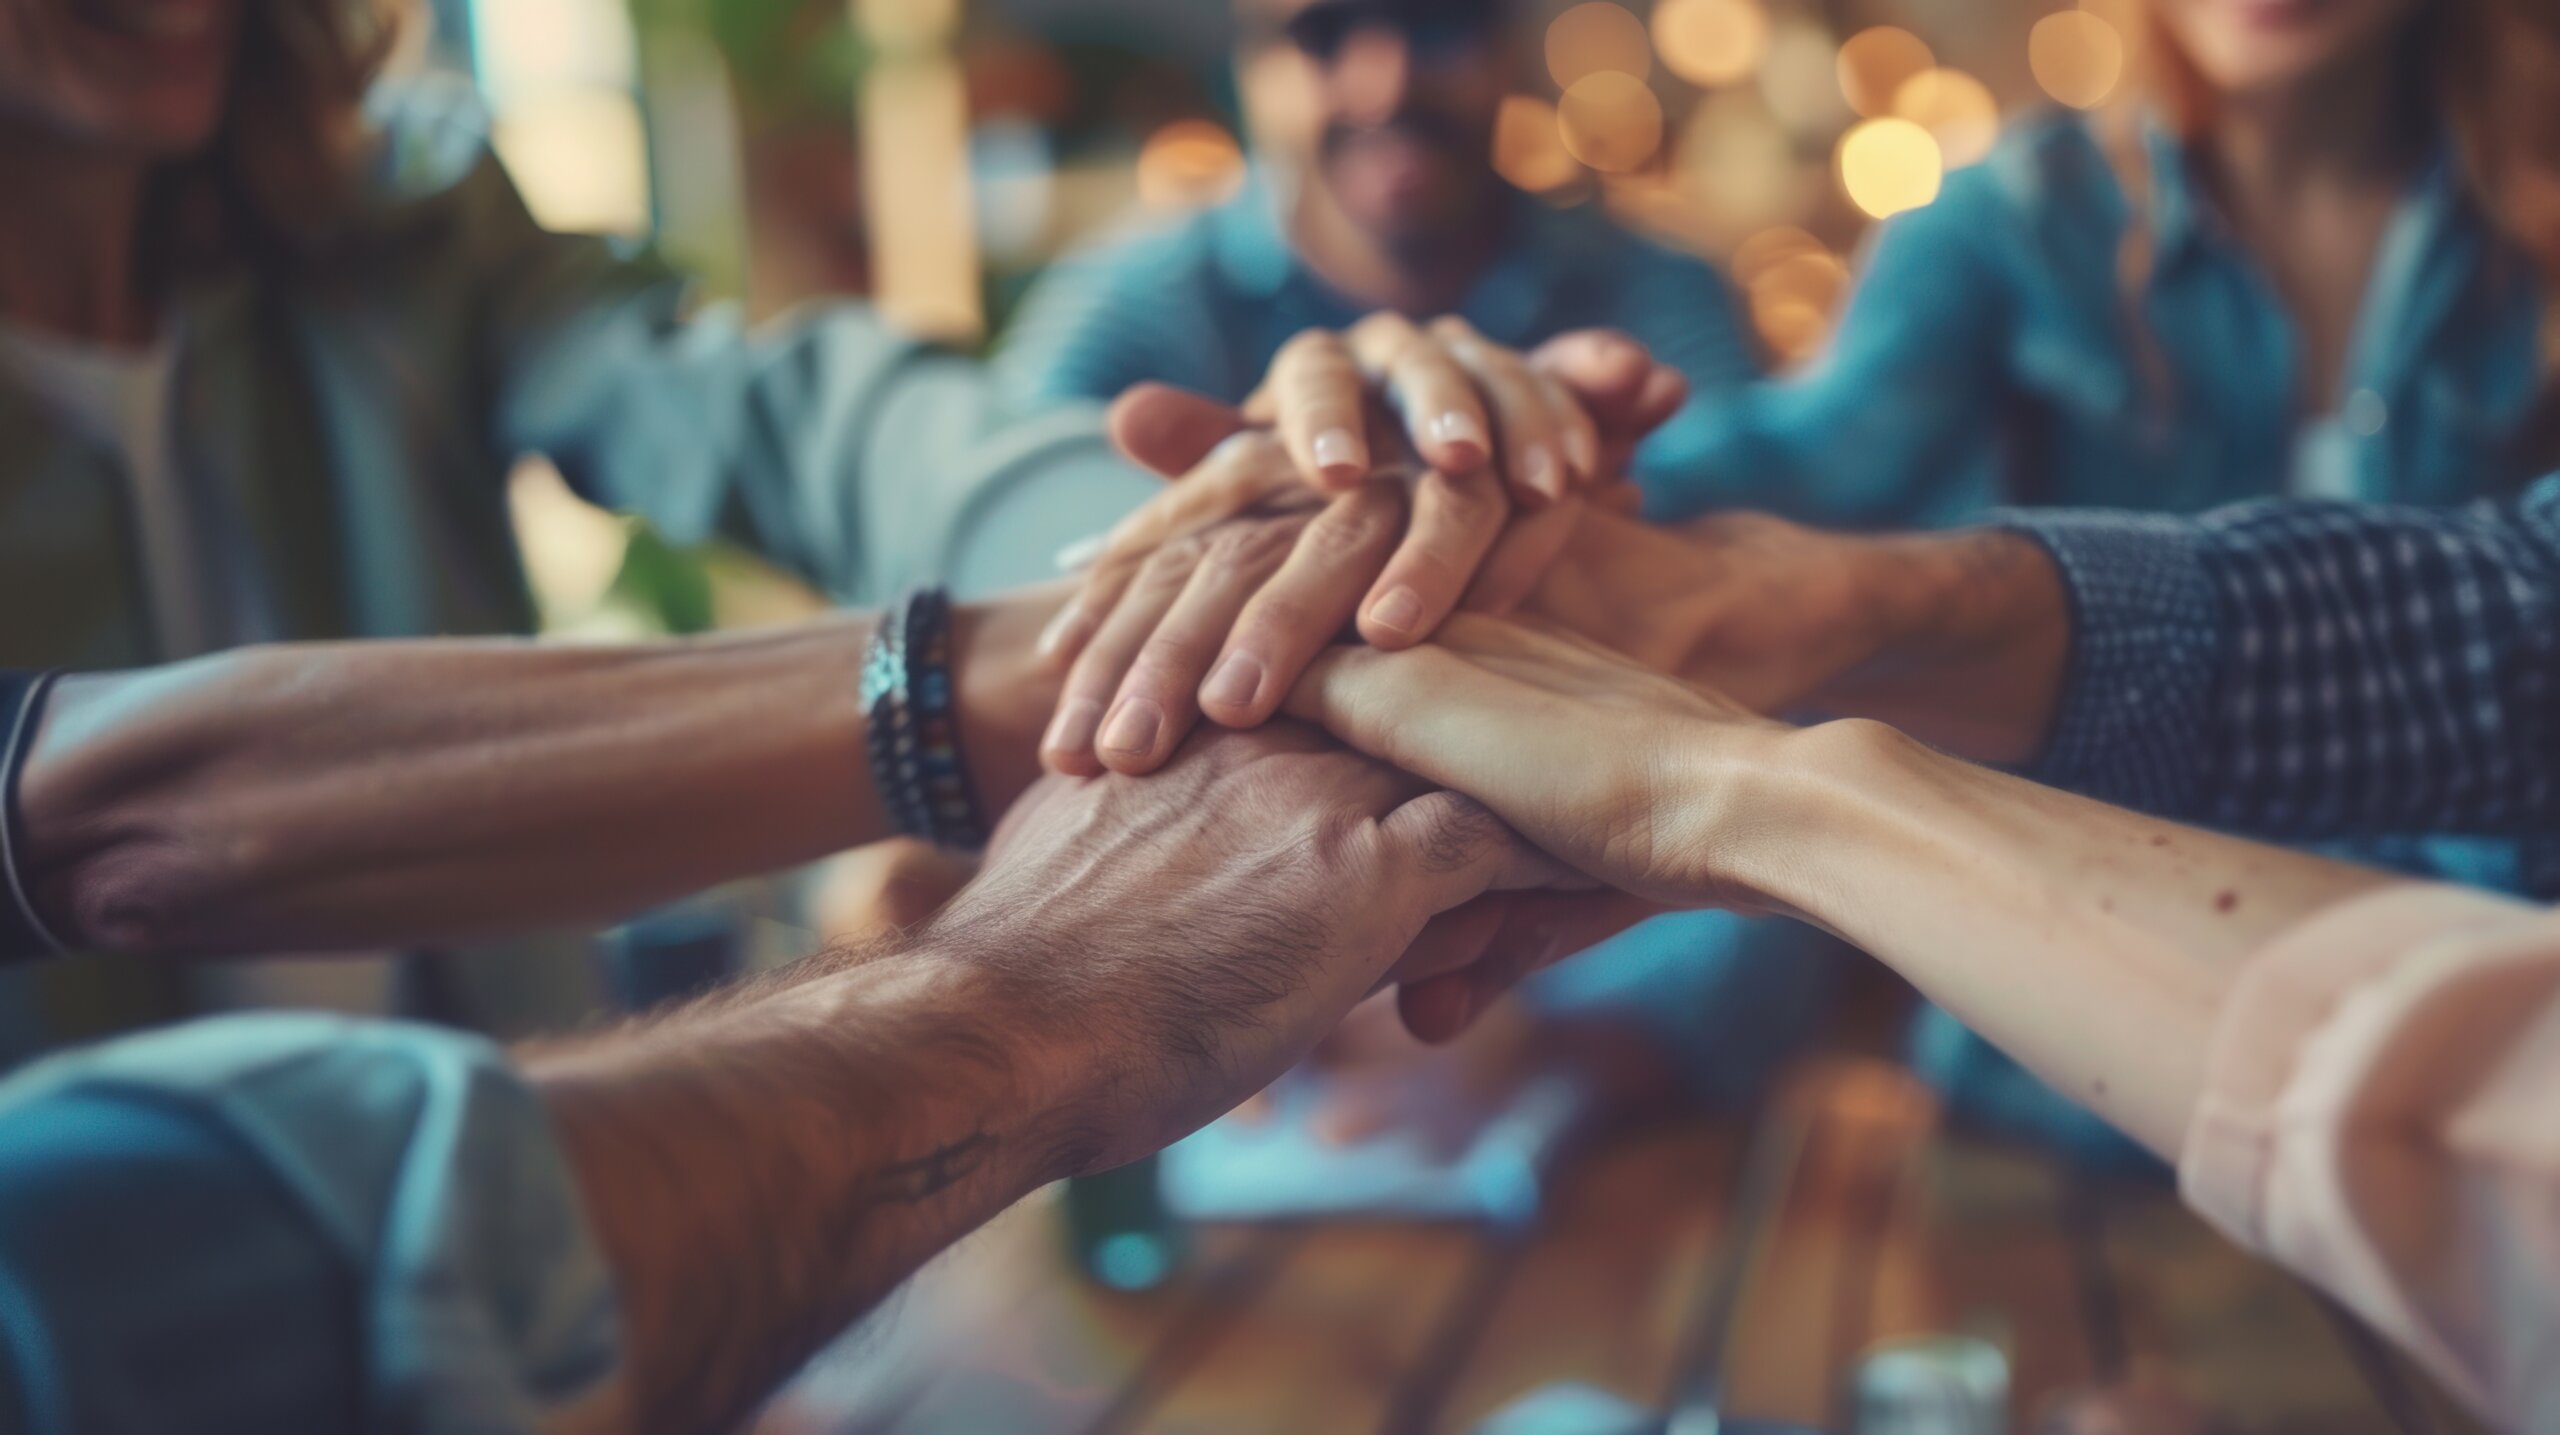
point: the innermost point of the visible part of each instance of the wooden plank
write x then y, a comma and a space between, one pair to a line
1328, 1343
1599, 1294
1805, 1313
2244, 1340
1978, 1248
1001, 1334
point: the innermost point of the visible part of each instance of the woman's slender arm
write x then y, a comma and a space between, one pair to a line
2351, 1070
327, 795
2095, 944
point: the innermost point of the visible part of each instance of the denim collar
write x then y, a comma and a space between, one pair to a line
2429, 256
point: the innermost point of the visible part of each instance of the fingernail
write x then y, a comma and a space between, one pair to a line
1454, 427
1069, 622
1081, 552
1133, 727
1584, 451
1336, 448
1072, 729
1538, 463
1235, 683
1398, 612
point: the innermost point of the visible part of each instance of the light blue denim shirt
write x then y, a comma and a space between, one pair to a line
1207, 302
290, 1223
1986, 356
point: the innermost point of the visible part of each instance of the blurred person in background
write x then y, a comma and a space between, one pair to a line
272, 337
1372, 188
2314, 253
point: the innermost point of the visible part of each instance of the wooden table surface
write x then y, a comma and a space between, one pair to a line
1843, 1215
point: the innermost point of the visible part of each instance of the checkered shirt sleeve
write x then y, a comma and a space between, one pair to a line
2313, 670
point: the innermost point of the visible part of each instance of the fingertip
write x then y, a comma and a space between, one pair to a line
1437, 1011
1067, 746
1396, 618
1233, 688
1457, 443
1665, 390
1341, 458
1540, 480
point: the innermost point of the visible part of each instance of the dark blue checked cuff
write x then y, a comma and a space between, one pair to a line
23, 934
2147, 635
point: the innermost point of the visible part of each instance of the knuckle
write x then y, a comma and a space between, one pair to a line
1471, 505
1172, 564
1245, 547
1450, 328
1164, 655
1348, 528
1452, 830
1278, 620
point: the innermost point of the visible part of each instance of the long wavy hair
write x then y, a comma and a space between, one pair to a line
2472, 62
281, 173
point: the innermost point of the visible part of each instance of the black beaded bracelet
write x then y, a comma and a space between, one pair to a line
915, 732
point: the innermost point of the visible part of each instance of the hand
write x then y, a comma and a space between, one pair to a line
1175, 943
1182, 616
1960, 638
1609, 766
1221, 622
1568, 415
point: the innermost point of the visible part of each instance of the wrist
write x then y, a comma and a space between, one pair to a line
1964, 636
1808, 804
1003, 689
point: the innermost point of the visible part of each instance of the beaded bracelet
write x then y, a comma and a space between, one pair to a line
915, 734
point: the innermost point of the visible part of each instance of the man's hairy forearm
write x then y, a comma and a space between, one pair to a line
763, 1168
310, 796
1971, 638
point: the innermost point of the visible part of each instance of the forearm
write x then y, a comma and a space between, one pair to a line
760, 1171
1959, 637
329, 795
1967, 637
2094, 944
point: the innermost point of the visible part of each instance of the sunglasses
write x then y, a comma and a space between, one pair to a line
1431, 29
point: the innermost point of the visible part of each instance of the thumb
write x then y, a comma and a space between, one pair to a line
1447, 849
1537, 930
1169, 429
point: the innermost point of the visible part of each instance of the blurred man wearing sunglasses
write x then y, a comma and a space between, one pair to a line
1373, 188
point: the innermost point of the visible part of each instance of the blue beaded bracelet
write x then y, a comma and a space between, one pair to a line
915, 731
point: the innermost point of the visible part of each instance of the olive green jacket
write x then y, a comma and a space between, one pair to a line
360, 413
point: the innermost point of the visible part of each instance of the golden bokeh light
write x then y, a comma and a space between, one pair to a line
1956, 109
1875, 62
1797, 78
1711, 42
1610, 121
1744, 168
2130, 19
1889, 165
1594, 38
1765, 249
2077, 57
1528, 150
1794, 286
1189, 164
